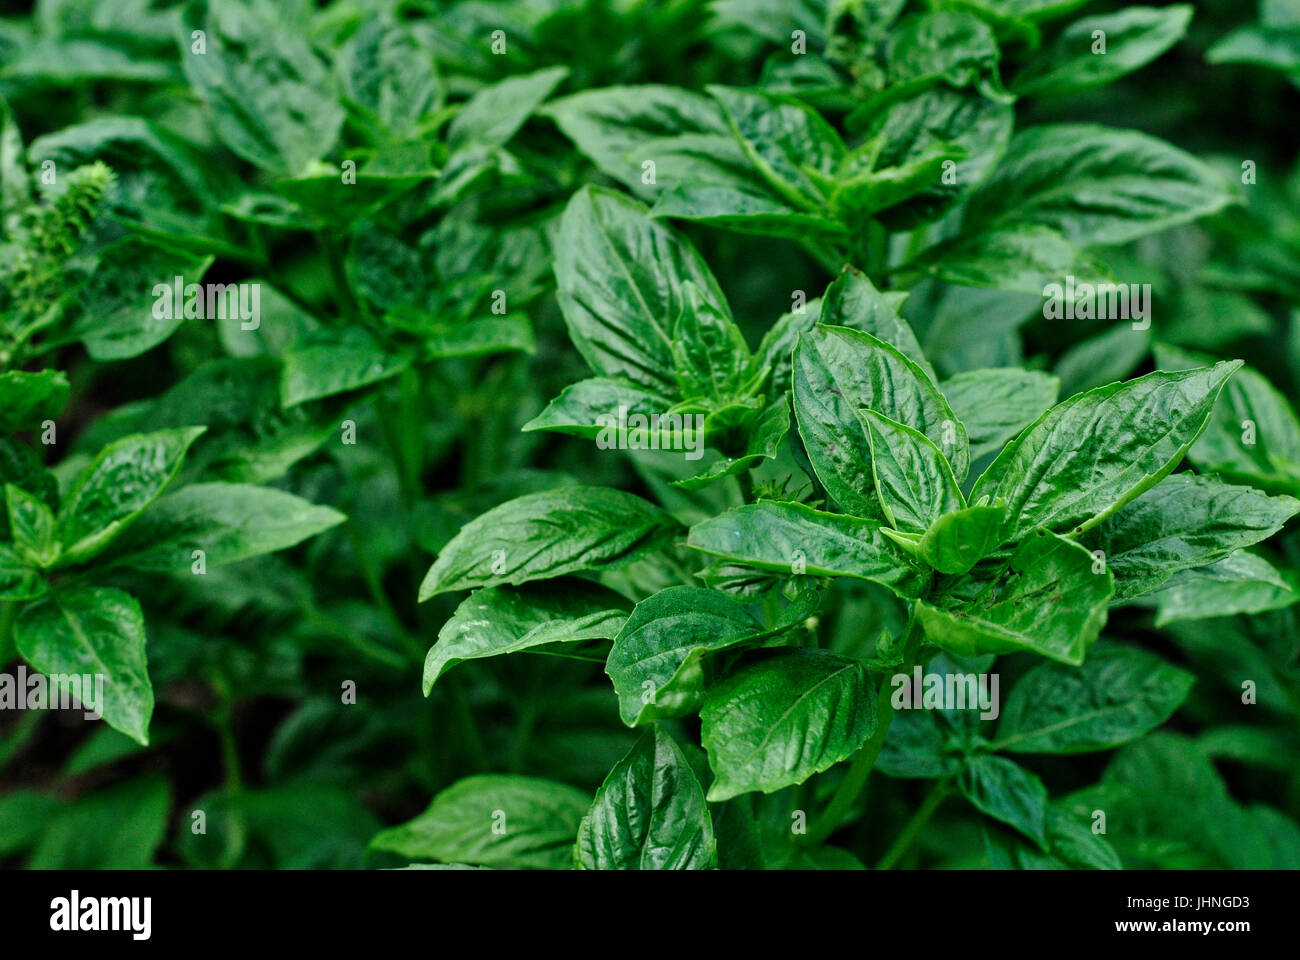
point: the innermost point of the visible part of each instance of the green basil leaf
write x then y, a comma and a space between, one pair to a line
493, 820
779, 721
948, 45
543, 535
20, 466
584, 408
996, 404
649, 814
501, 620
1109, 356
742, 209
956, 541
129, 304
486, 335
119, 827
1184, 521
1133, 37
1262, 45
1070, 839
117, 486
388, 71
792, 538
710, 355
1090, 455
18, 581
621, 278
684, 133
97, 631
1020, 257
495, 113
1047, 599
934, 122
1118, 694
15, 190
657, 661
839, 371
776, 351
271, 100
1007, 792
27, 399
1254, 435
32, 524
228, 522
327, 362
793, 148
1239, 583
763, 442
852, 300
1095, 184
915, 747
912, 478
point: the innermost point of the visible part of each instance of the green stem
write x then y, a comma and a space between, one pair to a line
338, 273
223, 722
855, 780
933, 800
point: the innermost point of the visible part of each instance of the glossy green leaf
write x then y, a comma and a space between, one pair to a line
1090, 455
1095, 184
543, 535
1254, 435
791, 538
270, 98
948, 45
495, 113
913, 480
1134, 37
227, 522
996, 404
493, 820
788, 143
590, 408
649, 814
33, 527
27, 399
779, 721
684, 133
853, 301
1051, 598
326, 362
18, 579
1239, 583
939, 122
1184, 521
838, 372
1006, 791
956, 541
1022, 257
709, 351
621, 279
108, 495
657, 662
501, 620
98, 631
1118, 694
388, 71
